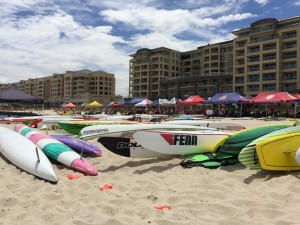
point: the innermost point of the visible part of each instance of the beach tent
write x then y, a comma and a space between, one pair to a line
134, 101
82, 104
70, 105
14, 94
272, 97
94, 104
192, 100
297, 96
265, 97
110, 104
121, 102
224, 98
162, 102
174, 100
144, 103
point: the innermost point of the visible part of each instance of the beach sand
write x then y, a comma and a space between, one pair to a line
227, 195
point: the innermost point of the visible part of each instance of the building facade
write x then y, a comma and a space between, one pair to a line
266, 56
149, 68
78, 87
262, 57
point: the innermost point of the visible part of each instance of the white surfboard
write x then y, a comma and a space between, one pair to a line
179, 142
128, 147
97, 131
224, 125
26, 155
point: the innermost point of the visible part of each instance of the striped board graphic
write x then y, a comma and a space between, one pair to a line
57, 150
248, 156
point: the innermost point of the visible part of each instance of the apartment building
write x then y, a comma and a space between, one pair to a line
262, 57
72, 86
266, 56
149, 68
204, 71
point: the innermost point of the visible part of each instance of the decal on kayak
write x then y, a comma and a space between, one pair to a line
180, 139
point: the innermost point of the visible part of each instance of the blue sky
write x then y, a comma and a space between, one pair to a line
42, 37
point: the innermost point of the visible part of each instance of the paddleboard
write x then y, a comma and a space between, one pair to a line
57, 150
74, 127
248, 156
78, 145
128, 147
224, 125
179, 142
25, 155
97, 131
279, 153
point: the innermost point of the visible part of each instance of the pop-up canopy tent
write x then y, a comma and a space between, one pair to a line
94, 104
192, 100
144, 103
70, 105
134, 101
174, 101
271, 97
161, 102
224, 98
14, 94
265, 97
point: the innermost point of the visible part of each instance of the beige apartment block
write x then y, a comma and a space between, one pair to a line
78, 87
149, 68
261, 58
266, 56
204, 71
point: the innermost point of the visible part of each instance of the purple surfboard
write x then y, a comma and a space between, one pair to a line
78, 144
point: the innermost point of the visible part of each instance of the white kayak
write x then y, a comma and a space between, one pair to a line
128, 147
26, 155
179, 142
224, 125
97, 131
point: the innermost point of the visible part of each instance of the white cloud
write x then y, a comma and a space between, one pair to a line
296, 3
262, 2
32, 47
42, 37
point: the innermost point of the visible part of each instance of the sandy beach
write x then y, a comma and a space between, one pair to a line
227, 195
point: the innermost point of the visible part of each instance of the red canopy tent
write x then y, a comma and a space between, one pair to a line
192, 100
296, 95
271, 97
70, 105
265, 97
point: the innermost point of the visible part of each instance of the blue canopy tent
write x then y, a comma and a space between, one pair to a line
134, 101
121, 102
226, 98
109, 104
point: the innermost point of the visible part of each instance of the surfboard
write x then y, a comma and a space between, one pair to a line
25, 155
279, 153
78, 145
74, 127
248, 156
206, 123
179, 142
97, 131
128, 147
56, 150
